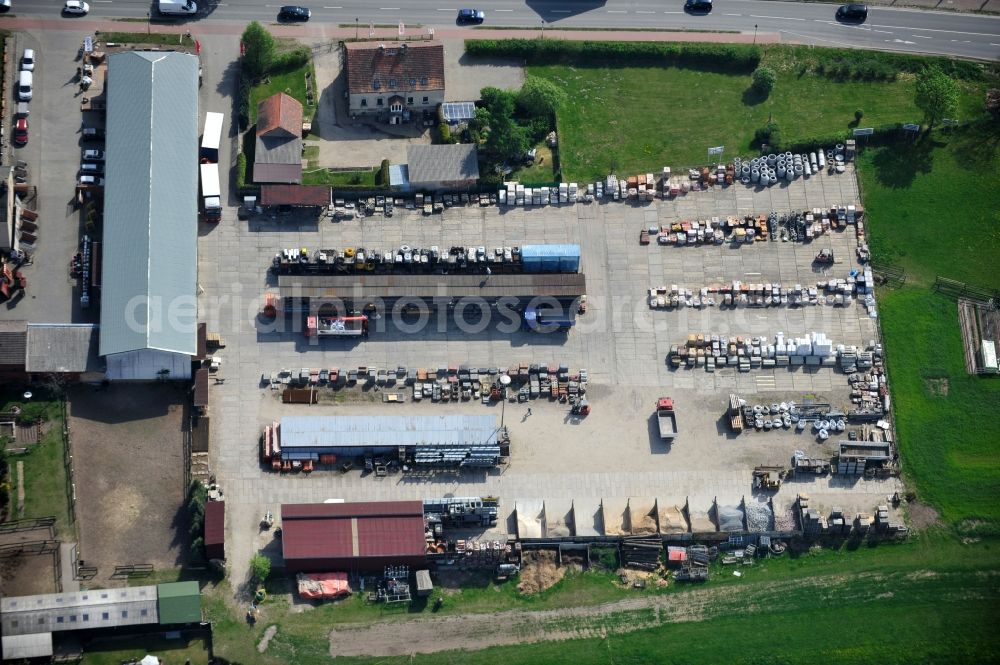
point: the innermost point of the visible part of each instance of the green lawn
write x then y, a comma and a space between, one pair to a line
934, 209
314, 174
636, 119
44, 473
541, 171
112, 651
292, 83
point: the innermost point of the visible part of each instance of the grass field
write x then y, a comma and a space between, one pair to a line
156, 38
313, 174
636, 119
116, 651
934, 209
921, 601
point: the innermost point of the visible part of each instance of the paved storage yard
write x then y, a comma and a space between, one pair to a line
615, 451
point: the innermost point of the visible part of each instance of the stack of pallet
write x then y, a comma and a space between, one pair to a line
642, 552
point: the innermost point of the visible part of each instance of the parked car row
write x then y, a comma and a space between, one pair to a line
25, 91
92, 163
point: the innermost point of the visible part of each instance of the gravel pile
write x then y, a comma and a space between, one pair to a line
784, 521
759, 517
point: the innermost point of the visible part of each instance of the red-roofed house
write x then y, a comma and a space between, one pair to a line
352, 537
278, 151
390, 80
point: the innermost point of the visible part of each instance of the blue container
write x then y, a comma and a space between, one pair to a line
551, 258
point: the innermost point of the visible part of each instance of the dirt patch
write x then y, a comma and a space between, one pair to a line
937, 387
28, 574
268, 634
539, 571
128, 462
922, 516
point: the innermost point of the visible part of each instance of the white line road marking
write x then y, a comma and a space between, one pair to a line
732, 14
333, 8
503, 10
884, 32
899, 41
447, 10
617, 11
922, 36
952, 32
779, 18
389, 9
643, 11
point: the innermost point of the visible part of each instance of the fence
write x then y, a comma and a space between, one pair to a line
28, 525
888, 274
68, 464
954, 289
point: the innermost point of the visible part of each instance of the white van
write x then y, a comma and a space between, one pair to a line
24, 85
178, 7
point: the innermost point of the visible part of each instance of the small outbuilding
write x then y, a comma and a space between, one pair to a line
215, 530
438, 167
278, 149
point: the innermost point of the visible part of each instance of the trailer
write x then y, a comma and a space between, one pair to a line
211, 138
547, 319
211, 193
336, 326
666, 418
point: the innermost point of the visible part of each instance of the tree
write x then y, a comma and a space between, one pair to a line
506, 139
764, 79
540, 97
260, 49
260, 568
936, 94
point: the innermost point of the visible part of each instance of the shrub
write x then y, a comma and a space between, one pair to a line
290, 60
198, 548
382, 177
444, 133
260, 568
764, 79
241, 171
770, 135
859, 114
713, 57
243, 101
259, 50
540, 97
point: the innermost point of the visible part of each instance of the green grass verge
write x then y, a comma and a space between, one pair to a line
934, 208
543, 168
114, 651
156, 38
637, 119
934, 591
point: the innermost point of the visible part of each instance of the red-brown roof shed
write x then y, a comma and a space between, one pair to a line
352, 536
215, 530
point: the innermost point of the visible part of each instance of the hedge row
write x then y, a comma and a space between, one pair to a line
290, 60
243, 101
879, 65
715, 57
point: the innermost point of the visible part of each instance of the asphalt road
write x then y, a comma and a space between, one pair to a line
947, 33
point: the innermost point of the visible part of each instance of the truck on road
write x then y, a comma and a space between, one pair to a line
666, 418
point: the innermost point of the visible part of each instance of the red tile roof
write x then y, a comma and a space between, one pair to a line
296, 195
215, 523
352, 530
279, 115
412, 66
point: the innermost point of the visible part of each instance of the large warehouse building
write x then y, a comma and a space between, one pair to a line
425, 440
352, 537
150, 261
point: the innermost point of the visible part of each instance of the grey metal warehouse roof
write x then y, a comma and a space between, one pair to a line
104, 608
62, 347
37, 645
150, 203
380, 431
442, 163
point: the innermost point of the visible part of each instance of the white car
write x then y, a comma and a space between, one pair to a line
77, 7
28, 60
93, 155
91, 180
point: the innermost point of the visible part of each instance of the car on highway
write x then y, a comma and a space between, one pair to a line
76, 7
93, 155
21, 131
475, 16
28, 60
852, 12
294, 13
698, 6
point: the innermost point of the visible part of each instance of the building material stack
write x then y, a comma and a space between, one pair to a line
642, 552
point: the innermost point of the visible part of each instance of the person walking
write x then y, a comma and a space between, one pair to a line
529, 412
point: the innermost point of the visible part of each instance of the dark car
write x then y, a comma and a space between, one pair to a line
21, 131
476, 16
698, 6
294, 13
857, 13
